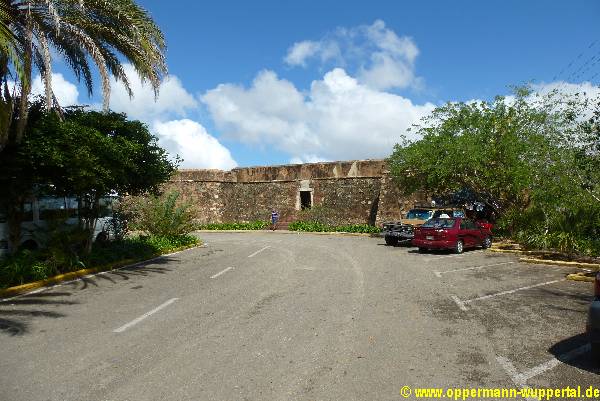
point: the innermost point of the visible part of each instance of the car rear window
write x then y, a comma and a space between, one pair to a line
419, 214
439, 223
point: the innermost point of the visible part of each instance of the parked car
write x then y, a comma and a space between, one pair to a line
456, 233
403, 230
593, 322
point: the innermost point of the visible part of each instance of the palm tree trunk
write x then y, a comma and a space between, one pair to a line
25, 86
6, 100
6, 105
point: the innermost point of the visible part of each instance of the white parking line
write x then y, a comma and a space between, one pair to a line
512, 291
520, 379
144, 316
510, 369
554, 362
259, 251
221, 272
439, 274
462, 303
512, 372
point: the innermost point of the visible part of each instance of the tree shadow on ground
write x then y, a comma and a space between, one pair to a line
18, 314
575, 351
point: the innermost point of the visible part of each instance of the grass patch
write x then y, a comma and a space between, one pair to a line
28, 266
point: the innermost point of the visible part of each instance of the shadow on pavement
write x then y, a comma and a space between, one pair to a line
563, 351
12, 327
19, 313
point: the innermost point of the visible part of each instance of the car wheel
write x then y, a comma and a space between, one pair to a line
487, 242
459, 247
391, 240
596, 352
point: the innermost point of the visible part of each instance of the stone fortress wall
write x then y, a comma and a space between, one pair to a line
362, 189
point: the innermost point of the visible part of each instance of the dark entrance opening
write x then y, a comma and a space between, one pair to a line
305, 201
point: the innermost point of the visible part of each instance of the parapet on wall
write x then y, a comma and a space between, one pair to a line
362, 189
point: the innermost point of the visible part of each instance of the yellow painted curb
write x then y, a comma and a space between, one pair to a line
580, 277
20, 289
518, 251
561, 263
499, 250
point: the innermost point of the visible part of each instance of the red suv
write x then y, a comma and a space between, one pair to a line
454, 233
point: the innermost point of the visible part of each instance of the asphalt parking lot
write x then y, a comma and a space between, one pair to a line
278, 316
532, 316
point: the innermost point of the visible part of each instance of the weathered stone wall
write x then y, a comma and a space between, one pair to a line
205, 196
392, 203
291, 172
357, 197
362, 189
251, 201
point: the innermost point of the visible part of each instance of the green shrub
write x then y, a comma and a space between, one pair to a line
27, 266
23, 267
254, 225
139, 248
315, 226
310, 226
563, 242
163, 216
63, 247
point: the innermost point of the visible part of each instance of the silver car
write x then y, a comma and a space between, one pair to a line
593, 322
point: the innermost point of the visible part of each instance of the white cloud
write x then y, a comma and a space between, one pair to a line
183, 137
66, 92
339, 118
173, 99
194, 144
585, 90
383, 60
301, 51
307, 159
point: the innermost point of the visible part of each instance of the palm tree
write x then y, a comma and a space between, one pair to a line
102, 32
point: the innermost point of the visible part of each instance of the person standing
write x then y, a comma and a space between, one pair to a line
274, 218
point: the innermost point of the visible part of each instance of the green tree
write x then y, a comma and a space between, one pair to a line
88, 155
80, 31
510, 152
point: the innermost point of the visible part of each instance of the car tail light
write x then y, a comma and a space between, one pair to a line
597, 285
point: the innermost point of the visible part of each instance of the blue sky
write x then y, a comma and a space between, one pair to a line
271, 82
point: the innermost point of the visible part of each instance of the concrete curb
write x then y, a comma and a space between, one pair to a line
61, 278
580, 265
580, 277
499, 250
293, 232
